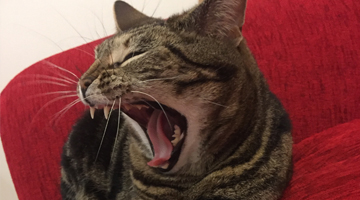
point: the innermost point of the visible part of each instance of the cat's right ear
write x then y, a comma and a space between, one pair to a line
220, 18
127, 17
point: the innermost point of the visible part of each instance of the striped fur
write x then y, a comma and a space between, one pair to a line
238, 140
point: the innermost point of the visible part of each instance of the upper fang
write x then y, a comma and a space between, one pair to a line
106, 111
92, 112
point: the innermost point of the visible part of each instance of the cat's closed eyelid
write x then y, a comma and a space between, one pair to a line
132, 54
117, 64
127, 57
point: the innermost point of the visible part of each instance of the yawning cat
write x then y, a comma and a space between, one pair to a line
178, 110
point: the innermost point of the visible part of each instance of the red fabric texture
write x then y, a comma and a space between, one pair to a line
326, 165
309, 53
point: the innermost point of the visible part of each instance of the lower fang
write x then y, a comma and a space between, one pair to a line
164, 166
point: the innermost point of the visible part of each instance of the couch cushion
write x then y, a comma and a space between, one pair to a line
326, 165
310, 53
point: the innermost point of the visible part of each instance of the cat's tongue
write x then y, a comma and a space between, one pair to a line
162, 146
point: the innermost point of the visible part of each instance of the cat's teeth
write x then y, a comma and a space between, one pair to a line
126, 107
140, 106
106, 111
164, 166
182, 136
137, 106
92, 112
176, 135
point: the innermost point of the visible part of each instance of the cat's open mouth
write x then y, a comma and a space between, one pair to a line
165, 128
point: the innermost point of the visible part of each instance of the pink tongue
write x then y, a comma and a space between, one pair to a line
161, 144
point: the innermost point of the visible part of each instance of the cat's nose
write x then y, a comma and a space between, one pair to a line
84, 84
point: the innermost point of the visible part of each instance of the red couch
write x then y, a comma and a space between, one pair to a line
308, 50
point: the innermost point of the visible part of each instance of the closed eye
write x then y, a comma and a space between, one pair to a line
117, 64
133, 54
127, 57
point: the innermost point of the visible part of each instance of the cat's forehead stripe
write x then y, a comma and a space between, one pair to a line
119, 48
123, 39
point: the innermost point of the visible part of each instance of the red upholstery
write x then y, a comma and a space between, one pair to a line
308, 50
326, 165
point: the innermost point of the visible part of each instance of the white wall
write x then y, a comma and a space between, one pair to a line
31, 30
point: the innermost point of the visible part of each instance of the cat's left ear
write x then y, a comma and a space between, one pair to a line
127, 17
221, 18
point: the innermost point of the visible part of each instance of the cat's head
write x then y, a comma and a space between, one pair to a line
180, 79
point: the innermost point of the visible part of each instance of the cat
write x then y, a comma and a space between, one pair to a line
178, 110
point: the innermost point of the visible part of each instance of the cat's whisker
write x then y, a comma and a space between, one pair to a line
72, 37
60, 68
42, 81
143, 7
44, 36
117, 131
56, 99
69, 79
96, 32
47, 82
59, 114
50, 93
74, 29
52, 78
92, 55
49, 103
107, 123
102, 24
62, 76
94, 24
167, 118
157, 6
95, 27
218, 104
64, 79
68, 106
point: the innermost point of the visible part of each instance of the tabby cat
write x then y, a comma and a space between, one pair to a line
178, 110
